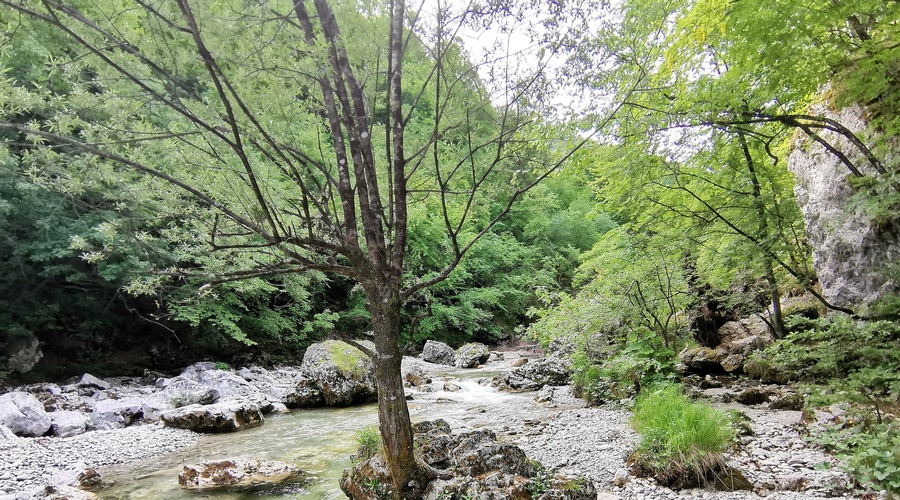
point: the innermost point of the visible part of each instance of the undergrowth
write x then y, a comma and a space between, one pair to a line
852, 361
641, 362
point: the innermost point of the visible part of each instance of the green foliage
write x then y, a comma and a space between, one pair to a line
640, 362
540, 479
835, 348
868, 451
368, 440
678, 438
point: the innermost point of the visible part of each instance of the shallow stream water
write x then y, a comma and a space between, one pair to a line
320, 441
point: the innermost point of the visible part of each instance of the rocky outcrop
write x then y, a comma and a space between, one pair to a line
438, 353
226, 383
23, 414
534, 375
738, 339
227, 416
239, 474
471, 355
343, 374
849, 250
471, 465
304, 394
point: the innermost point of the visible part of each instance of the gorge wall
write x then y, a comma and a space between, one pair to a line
849, 251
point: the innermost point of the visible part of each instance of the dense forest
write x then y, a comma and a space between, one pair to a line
233, 181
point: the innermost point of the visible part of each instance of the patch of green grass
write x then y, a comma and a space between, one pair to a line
681, 441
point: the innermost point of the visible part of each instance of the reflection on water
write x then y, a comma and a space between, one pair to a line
319, 441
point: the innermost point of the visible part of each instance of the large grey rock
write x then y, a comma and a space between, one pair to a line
343, 374
226, 416
182, 392
117, 413
438, 353
23, 414
304, 394
226, 383
534, 375
23, 353
238, 474
68, 423
849, 251
471, 355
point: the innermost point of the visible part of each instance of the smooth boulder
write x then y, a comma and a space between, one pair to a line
111, 414
227, 416
438, 353
23, 414
343, 374
471, 355
238, 474
68, 423
182, 392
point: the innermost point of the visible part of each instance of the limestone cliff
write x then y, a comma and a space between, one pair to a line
849, 252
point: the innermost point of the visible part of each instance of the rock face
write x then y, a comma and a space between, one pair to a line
738, 340
849, 252
228, 416
23, 414
468, 465
238, 474
471, 355
438, 353
343, 374
534, 375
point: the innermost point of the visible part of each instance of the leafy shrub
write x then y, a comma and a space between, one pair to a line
681, 441
858, 361
869, 452
641, 362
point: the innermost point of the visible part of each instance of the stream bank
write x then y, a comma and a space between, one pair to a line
142, 462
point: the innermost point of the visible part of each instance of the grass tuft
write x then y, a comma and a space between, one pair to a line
681, 441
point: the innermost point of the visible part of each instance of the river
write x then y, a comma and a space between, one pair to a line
320, 441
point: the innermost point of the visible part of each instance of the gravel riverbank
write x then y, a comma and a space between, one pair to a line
29, 464
597, 441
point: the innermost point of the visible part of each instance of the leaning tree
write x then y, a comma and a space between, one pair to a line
297, 133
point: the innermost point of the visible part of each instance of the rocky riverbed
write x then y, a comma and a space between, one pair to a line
550, 426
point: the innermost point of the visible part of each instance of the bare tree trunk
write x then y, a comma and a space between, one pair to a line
393, 413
